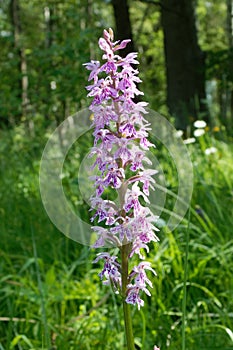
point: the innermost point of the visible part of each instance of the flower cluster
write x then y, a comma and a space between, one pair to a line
120, 144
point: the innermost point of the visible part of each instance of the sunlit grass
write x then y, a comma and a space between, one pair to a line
50, 293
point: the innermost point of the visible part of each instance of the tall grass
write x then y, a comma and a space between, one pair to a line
50, 293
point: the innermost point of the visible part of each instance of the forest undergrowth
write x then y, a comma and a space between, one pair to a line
50, 293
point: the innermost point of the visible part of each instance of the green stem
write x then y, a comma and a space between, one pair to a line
185, 284
125, 249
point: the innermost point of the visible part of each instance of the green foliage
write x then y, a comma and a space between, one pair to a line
56, 39
51, 295
148, 37
212, 24
214, 41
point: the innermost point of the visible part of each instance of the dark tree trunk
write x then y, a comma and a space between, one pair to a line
49, 26
16, 26
184, 63
230, 22
49, 41
229, 123
123, 24
22, 65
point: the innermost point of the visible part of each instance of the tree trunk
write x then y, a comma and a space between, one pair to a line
230, 22
123, 24
49, 40
230, 41
185, 68
23, 78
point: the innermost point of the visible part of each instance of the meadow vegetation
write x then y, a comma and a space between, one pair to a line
50, 293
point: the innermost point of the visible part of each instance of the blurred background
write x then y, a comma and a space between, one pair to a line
50, 293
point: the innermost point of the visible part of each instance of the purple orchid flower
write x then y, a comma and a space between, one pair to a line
120, 144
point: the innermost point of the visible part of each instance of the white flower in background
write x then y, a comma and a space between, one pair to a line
210, 150
200, 124
53, 85
179, 133
190, 140
198, 132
